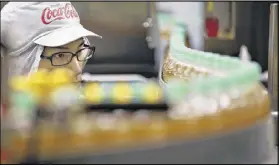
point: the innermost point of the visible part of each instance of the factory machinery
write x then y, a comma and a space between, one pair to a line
217, 112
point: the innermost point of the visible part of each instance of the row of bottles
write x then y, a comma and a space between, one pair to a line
230, 98
211, 106
123, 93
200, 115
172, 68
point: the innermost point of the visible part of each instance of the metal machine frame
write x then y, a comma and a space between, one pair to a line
273, 62
127, 46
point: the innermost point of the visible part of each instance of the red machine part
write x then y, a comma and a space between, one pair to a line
212, 26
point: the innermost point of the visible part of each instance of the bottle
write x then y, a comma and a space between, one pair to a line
148, 126
82, 132
64, 103
140, 122
21, 113
105, 130
23, 103
123, 134
63, 95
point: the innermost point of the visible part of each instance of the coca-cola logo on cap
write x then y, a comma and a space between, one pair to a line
59, 13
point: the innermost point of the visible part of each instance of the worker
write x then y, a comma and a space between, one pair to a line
44, 35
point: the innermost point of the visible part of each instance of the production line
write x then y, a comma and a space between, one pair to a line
72, 120
202, 104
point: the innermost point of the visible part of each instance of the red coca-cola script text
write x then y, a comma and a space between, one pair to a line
49, 15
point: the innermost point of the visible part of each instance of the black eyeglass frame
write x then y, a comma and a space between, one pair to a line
86, 46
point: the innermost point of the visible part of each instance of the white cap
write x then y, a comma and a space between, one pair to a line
45, 23
244, 54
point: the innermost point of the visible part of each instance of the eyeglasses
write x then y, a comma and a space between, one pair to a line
64, 58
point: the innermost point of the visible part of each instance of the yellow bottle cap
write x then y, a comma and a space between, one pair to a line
152, 93
19, 83
61, 76
38, 83
93, 93
122, 93
39, 78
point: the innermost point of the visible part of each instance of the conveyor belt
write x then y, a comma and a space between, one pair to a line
250, 145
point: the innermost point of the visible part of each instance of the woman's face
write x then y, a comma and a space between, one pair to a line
61, 57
